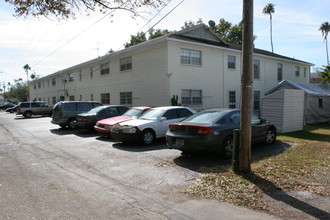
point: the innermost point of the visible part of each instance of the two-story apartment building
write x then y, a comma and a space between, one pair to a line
194, 64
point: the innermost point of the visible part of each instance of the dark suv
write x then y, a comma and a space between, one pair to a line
65, 113
27, 109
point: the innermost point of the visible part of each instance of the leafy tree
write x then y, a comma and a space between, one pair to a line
189, 24
325, 28
325, 75
19, 90
66, 9
269, 10
136, 39
157, 33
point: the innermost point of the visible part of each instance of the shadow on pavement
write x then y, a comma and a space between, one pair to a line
159, 144
84, 133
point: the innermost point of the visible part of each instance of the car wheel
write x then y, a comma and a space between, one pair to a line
270, 136
227, 147
28, 114
71, 123
147, 137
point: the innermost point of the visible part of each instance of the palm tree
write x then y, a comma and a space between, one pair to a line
26, 67
269, 9
325, 28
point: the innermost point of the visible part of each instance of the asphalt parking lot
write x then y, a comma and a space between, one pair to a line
53, 173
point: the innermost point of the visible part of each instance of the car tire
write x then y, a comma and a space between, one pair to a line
147, 137
71, 123
63, 126
227, 147
28, 114
270, 136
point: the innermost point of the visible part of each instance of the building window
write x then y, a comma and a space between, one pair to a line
191, 97
320, 103
34, 86
91, 72
305, 72
126, 64
126, 98
92, 97
80, 75
53, 81
105, 98
279, 71
71, 77
39, 85
231, 62
105, 69
80, 97
297, 71
47, 83
71, 98
193, 57
232, 99
256, 69
256, 100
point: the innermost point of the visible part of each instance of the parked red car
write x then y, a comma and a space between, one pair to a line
104, 126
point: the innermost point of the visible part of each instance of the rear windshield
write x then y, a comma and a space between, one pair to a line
205, 117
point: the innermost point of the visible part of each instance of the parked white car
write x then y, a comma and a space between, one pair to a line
152, 124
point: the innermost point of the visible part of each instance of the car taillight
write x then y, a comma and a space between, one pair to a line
204, 130
82, 119
189, 129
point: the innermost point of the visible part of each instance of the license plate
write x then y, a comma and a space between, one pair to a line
179, 141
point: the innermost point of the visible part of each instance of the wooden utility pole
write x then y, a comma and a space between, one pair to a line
244, 154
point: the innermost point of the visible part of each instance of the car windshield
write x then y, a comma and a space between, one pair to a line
95, 110
133, 112
206, 117
152, 114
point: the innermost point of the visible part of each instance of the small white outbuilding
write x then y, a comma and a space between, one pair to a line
285, 109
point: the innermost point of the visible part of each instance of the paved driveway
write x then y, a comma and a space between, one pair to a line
52, 173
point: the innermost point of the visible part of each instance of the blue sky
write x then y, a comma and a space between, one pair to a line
49, 45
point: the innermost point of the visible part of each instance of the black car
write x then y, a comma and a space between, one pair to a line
12, 109
212, 131
6, 105
89, 119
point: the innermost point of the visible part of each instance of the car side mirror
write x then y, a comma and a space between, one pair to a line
163, 119
261, 121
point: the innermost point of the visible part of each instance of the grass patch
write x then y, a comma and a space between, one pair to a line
303, 167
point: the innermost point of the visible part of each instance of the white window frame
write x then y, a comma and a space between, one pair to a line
279, 72
105, 98
256, 69
126, 64
232, 99
191, 57
104, 69
231, 62
126, 98
192, 97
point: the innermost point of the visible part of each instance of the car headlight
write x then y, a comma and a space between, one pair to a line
130, 130
108, 127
